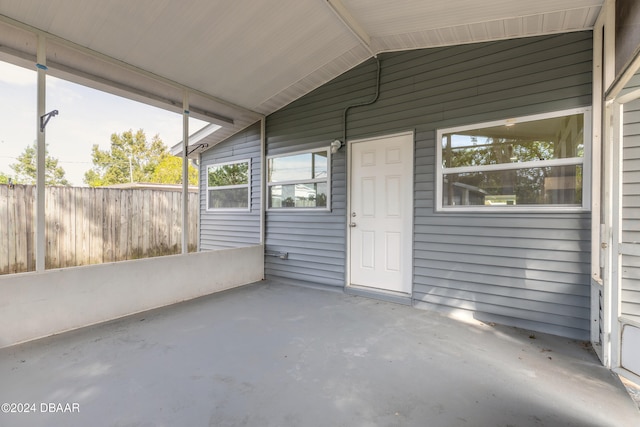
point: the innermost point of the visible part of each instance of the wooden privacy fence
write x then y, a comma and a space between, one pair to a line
92, 225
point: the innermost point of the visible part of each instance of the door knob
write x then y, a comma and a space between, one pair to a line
352, 224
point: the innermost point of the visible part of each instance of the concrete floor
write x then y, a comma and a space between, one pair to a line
277, 355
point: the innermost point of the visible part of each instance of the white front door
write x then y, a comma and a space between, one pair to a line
381, 213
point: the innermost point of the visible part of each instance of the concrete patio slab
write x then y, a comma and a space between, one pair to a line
272, 354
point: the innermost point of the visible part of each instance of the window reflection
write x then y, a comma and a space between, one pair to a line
520, 162
298, 195
228, 185
538, 140
231, 198
299, 180
298, 167
230, 174
560, 185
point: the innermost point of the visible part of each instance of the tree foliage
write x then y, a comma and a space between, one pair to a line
132, 158
219, 177
4, 178
528, 184
25, 168
231, 174
169, 171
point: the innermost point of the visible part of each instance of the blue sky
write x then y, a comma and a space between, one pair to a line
86, 117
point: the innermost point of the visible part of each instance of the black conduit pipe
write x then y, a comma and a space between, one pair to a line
346, 110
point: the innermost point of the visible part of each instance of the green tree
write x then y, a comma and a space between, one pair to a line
131, 157
4, 178
528, 184
169, 171
231, 174
25, 168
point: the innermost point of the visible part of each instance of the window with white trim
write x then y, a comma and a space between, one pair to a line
229, 186
299, 180
521, 163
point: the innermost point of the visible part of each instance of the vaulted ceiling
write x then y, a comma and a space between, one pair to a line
242, 59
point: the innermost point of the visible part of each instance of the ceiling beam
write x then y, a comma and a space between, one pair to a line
126, 91
351, 23
89, 54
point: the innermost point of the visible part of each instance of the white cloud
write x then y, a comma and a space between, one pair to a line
15, 75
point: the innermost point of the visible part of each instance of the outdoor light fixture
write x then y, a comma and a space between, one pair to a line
335, 146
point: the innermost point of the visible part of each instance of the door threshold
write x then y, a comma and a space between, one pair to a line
379, 294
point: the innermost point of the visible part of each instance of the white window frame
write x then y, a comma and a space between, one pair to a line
584, 161
229, 187
309, 181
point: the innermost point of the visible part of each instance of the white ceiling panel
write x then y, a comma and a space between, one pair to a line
382, 18
532, 24
513, 27
245, 57
553, 22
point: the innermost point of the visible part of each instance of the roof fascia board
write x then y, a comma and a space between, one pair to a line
195, 138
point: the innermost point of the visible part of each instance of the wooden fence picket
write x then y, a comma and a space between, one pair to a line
92, 225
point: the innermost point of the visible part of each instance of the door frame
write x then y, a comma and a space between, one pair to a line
374, 292
613, 322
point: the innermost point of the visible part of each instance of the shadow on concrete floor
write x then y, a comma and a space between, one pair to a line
271, 354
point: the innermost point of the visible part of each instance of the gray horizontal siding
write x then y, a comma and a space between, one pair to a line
630, 298
528, 270
221, 230
314, 241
